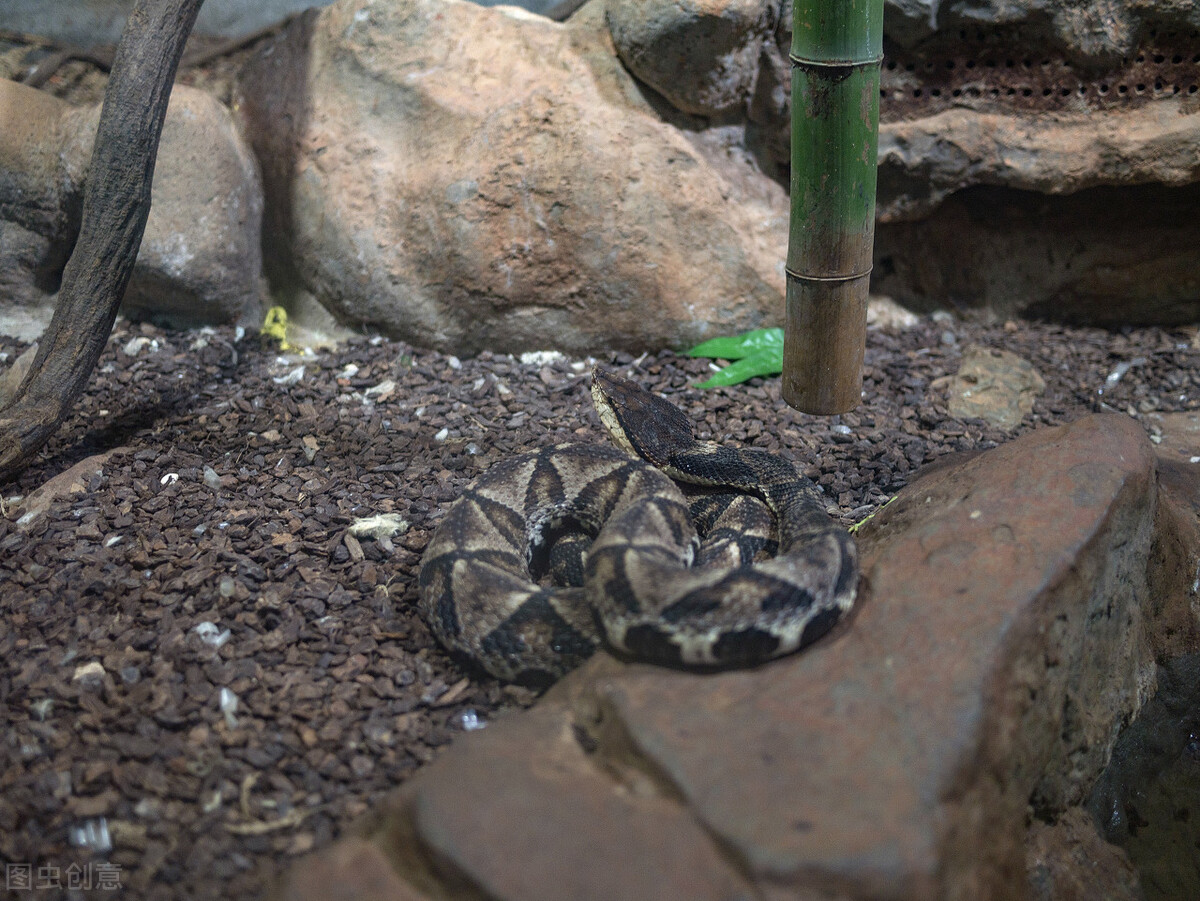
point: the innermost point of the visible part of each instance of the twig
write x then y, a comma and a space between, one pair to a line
116, 203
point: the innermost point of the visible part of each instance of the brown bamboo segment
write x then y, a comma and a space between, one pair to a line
822, 363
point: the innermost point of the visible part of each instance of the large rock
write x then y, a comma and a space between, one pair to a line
200, 259
468, 177
992, 384
618, 182
701, 55
1005, 632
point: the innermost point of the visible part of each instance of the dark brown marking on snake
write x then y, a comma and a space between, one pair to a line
819, 626
652, 644
747, 646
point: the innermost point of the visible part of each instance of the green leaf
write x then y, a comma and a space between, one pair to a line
735, 347
768, 361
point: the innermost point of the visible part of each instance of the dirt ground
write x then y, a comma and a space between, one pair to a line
213, 559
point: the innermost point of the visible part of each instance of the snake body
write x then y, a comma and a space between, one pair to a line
648, 586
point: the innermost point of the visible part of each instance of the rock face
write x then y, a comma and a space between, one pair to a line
1028, 154
1106, 256
1005, 632
1069, 861
926, 160
200, 259
469, 177
1097, 32
701, 55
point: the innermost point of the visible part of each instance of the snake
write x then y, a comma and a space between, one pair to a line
750, 568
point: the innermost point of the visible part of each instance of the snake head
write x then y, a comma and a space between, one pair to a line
638, 421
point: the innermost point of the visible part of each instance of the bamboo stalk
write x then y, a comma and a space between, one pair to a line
837, 47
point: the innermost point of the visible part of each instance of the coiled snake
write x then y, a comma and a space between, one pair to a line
635, 586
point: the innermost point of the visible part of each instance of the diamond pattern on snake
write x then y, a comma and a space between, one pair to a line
554, 552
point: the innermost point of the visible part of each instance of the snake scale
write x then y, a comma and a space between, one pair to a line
647, 584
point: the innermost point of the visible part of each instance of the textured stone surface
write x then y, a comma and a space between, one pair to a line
1097, 32
201, 256
1069, 861
1000, 643
923, 161
619, 181
1179, 437
1147, 796
353, 870
200, 259
525, 813
992, 384
983, 582
701, 55
1032, 160
37, 204
71, 481
470, 177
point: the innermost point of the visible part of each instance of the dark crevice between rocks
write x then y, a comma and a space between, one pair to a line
1060, 270
415, 862
1147, 800
603, 735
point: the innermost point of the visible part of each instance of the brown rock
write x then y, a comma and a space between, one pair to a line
71, 481
473, 177
702, 55
1032, 160
201, 256
525, 812
1179, 437
1104, 255
1174, 562
352, 870
922, 161
1069, 861
900, 759
993, 384
13, 375
200, 259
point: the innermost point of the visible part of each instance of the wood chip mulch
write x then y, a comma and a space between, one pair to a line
203, 666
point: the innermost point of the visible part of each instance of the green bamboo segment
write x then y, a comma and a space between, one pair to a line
837, 46
837, 32
835, 115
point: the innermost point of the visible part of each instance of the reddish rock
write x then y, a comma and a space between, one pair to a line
71, 481
523, 812
1069, 861
352, 870
899, 758
1003, 636
701, 55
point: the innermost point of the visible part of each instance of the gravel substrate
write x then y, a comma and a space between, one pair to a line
229, 500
